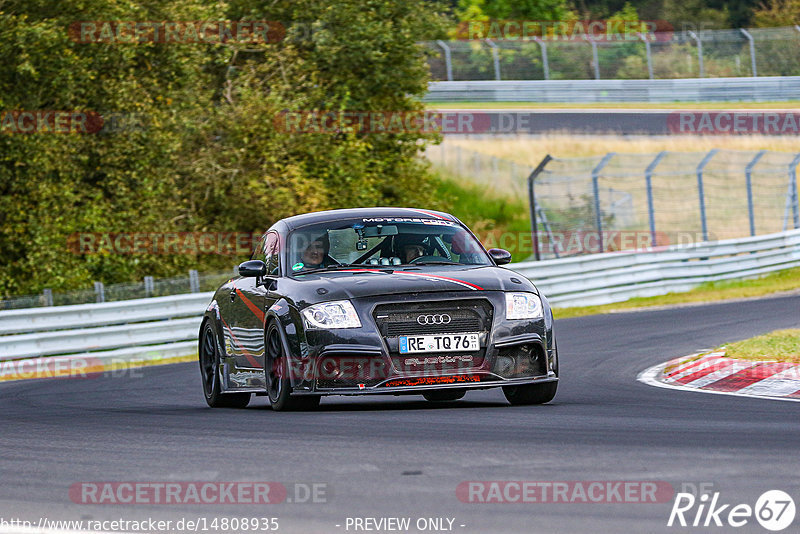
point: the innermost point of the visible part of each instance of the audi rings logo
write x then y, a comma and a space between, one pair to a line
441, 318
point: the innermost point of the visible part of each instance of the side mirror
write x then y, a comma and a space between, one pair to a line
500, 256
253, 268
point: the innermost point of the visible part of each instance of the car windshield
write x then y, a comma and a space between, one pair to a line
377, 241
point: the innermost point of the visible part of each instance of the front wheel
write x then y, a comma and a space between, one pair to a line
209, 372
276, 367
530, 393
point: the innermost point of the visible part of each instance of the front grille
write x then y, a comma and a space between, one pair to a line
395, 320
465, 316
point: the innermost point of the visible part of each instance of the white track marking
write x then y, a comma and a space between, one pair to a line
650, 377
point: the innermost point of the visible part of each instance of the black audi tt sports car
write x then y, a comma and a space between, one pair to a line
375, 301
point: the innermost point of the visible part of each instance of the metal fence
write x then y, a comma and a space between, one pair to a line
193, 282
761, 89
639, 201
687, 54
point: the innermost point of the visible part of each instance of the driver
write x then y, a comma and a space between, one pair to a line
409, 247
316, 252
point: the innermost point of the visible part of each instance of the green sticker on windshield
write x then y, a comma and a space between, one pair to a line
297, 266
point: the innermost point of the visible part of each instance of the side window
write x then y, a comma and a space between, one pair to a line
272, 254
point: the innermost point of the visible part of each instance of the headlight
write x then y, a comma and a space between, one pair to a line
337, 314
523, 306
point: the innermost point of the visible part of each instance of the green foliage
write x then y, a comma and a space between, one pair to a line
538, 10
209, 156
777, 13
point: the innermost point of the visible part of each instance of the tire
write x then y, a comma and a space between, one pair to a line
208, 355
530, 393
279, 387
533, 393
444, 395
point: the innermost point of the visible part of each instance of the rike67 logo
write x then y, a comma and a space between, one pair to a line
774, 510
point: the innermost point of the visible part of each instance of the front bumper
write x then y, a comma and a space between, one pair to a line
364, 360
403, 390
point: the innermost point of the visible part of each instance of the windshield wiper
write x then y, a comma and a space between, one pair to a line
434, 263
334, 268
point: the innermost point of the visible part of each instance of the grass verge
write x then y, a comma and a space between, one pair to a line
780, 345
786, 280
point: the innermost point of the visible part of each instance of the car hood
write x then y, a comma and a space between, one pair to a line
366, 282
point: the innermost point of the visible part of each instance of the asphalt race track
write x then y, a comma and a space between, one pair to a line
404, 457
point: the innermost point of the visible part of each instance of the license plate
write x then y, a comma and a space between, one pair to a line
440, 343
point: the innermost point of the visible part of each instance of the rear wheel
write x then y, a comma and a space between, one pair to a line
444, 395
276, 369
209, 372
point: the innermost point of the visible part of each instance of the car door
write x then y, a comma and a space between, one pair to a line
251, 298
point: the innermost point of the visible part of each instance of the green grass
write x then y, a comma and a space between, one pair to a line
789, 104
786, 280
496, 220
780, 345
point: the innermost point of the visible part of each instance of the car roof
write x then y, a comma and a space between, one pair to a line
333, 215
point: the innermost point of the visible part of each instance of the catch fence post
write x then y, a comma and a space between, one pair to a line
598, 216
748, 172
648, 177
532, 204
99, 291
701, 194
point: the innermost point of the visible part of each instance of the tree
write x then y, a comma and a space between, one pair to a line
209, 156
533, 10
777, 13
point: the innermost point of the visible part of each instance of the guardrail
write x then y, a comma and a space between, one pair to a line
166, 327
113, 332
774, 88
617, 276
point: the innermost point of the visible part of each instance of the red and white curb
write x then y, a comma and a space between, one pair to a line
714, 373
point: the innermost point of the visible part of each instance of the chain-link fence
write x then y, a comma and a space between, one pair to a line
708, 53
640, 201
193, 282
